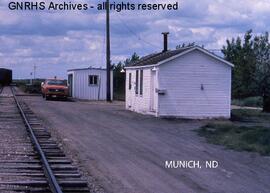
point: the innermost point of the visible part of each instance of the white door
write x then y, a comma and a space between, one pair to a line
153, 102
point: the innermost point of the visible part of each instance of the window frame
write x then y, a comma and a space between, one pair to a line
93, 80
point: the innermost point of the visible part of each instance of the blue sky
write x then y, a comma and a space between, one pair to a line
56, 41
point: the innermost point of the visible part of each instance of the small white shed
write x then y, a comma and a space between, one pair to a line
189, 82
88, 83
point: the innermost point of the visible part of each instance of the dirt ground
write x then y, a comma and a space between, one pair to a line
126, 152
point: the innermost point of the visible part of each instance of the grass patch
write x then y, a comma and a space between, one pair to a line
248, 102
241, 138
249, 115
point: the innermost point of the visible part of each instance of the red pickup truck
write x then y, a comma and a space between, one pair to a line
54, 88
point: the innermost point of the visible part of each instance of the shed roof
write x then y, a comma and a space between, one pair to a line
162, 57
89, 68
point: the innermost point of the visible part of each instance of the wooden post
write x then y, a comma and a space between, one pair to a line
108, 51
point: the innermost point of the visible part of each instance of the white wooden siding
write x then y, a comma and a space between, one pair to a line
137, 102
183, 78
82, 89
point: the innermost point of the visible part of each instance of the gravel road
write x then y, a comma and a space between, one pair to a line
126, 152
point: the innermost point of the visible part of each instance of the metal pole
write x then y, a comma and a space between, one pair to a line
108, 51
165, 41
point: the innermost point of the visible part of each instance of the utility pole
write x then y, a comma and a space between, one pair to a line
35, 68
31, 78
108, 51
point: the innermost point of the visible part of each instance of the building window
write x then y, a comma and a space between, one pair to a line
129, 82
141, 82
93, 80
137, 82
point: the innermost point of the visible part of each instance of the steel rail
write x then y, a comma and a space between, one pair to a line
53, 184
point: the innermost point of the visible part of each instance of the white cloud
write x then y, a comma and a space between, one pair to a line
57, 41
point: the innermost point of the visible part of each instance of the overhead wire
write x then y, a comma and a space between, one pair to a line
135, 34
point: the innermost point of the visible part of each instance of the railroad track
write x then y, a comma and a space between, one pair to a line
30, 160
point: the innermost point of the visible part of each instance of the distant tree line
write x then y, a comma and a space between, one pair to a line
251, 74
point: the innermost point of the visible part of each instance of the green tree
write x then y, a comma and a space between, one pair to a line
132, 59
241, 54
185, 45
251, 75
261, 74
119, 76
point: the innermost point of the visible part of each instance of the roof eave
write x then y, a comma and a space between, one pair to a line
200, 49
136, 67
183, 53
81, 69
216, 57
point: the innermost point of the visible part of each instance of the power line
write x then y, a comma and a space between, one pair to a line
153, 45
215, 50
135, 34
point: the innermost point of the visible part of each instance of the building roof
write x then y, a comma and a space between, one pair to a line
90, 68
162, 57
5, 69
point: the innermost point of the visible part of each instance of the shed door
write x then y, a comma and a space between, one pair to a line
153, 102
70, 83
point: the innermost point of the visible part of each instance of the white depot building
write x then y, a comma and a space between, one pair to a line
88, 83
188, 82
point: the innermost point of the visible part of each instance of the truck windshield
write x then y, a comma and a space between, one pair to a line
56, 82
